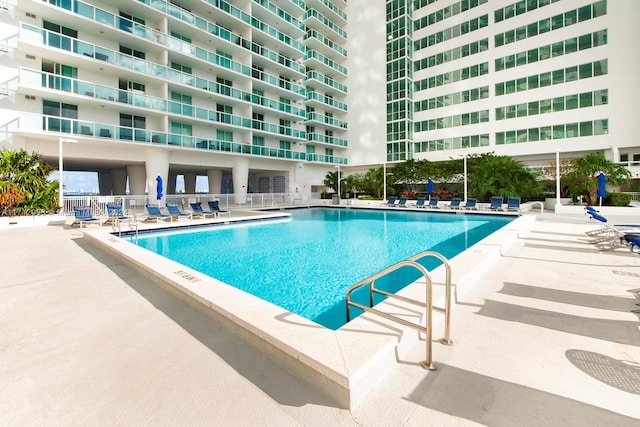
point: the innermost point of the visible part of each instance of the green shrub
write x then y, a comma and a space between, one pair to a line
617, 199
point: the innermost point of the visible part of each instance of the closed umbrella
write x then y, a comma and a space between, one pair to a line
159, 187
601, 191
430, 187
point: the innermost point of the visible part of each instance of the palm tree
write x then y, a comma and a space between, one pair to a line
491, 175
331, 180
583, 178
23, 182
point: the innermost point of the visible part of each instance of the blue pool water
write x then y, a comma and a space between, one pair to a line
306, 264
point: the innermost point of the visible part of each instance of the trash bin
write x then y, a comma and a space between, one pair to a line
335, 199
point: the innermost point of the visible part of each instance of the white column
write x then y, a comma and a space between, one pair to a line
156, 164
215, 180
137, 184
240, 175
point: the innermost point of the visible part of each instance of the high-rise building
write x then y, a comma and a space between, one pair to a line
525, 78
270, 95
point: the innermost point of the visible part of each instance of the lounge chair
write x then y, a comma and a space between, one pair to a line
496, 203
156, 215
84, 216
176, 213
633, 241
402, 203
391, 201
455, 203
115, 213
433, 203
513, 204
472, 204
420, 202
198, 211
610, 236
215, 207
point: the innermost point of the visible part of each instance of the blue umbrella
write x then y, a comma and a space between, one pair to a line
601, 191
159, 187
430, 187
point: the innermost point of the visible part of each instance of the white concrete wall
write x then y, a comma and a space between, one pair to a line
367, 81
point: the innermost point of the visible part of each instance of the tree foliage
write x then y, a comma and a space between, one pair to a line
490, 175
583, 178
24, 187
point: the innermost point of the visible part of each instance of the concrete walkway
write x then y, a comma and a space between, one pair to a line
545, 338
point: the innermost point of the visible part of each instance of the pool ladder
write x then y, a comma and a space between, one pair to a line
427, 305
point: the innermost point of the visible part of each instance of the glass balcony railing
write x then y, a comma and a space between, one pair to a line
67, 84
312, 54
38, 35
326, 100
323, 158
280, 13
317, 137
115, 21
327, 42
42, 123
335, 9
314, 75
256, 23
312, 13
327, 120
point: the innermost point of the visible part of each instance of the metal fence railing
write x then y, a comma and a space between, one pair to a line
137, 204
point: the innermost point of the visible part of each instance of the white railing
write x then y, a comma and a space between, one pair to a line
137, 204
635, 195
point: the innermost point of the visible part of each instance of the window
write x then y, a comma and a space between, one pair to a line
570, 17
600, 68
571, 74
571, 130
557, 49
586, 99
534, 134
533, 82
584, 13
534, 108
57, 109
584, 42
558, 76
132, 52
545, 79
585, 70
558, 104
128, 125
558, 132
570, 46
571, 102
586, 128
601, 97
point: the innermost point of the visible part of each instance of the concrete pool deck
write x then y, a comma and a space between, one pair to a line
546, 336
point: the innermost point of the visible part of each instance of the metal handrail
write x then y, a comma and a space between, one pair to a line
447, 298
427, 329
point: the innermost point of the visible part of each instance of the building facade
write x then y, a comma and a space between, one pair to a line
269, 96
251, 94
526, 79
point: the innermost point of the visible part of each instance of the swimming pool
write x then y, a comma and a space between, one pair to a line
306, 264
